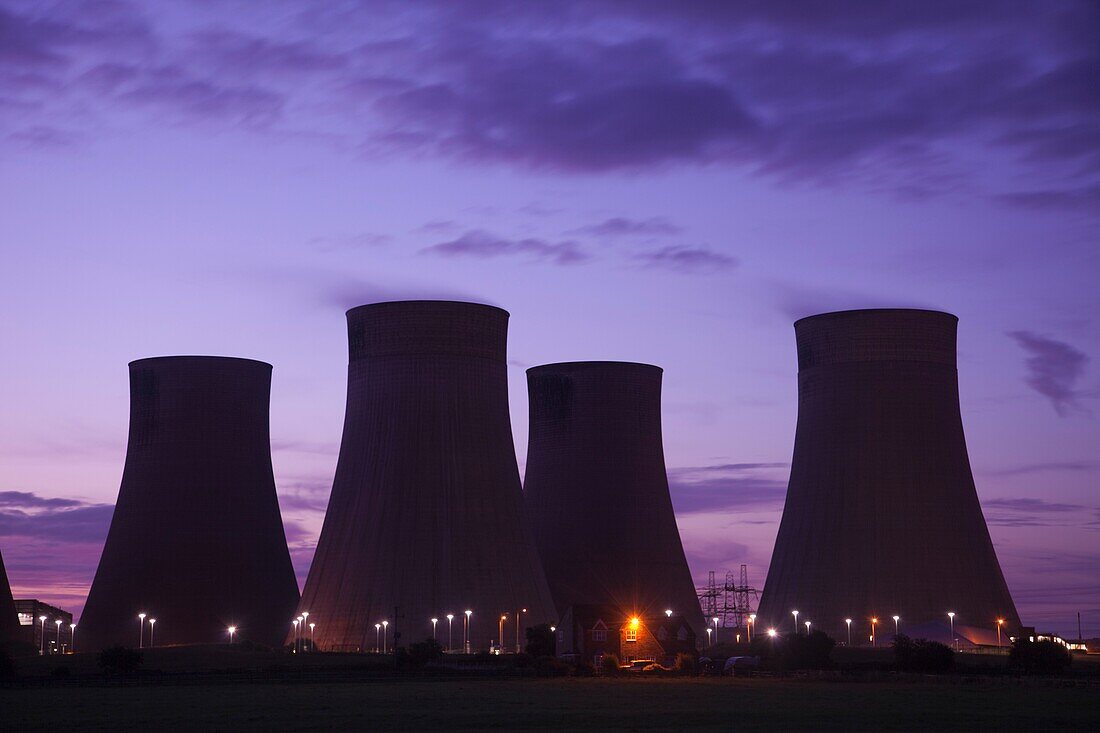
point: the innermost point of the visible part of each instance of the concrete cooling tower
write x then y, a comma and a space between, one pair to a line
196, 540
425, 517
881, 517
9, 624
597, 492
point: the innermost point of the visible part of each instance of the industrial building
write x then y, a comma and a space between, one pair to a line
196, 540
597, 492
590, 632
45, 628
9, 626
881, 517
425, 519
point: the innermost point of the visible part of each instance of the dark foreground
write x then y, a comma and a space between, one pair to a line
573, 704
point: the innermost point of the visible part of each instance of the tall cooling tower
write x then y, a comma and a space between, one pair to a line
597, 492
426, 514
196, 540
882, 517
9, 624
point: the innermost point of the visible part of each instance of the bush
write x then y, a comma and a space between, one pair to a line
541, 641
119, 660
583, 669
1039, 657
550, 667
610, 666
922, 655
686, 664
423, 652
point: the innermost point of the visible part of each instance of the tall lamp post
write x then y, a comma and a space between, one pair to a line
466, 632
807, 628
312, 646
450, 625
897, 629
58, 622
296, 622
305, 620
848, 623
434, 622
377, 636
72, 633
500, 631
874, 621
709, 632
951, 621
152, 624
795, 613
715, 620
752, 622
232, 630
141, 630
42, 637
385, 633
519, 619
1000, 623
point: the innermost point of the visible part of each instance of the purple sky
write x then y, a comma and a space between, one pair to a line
664, 182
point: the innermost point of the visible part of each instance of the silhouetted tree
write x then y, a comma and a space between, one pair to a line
1039, 657
922, 655
540, 641
610, 665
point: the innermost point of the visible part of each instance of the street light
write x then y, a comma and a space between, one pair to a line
1000, 623
450, 623
795, 621
466, 632
519, 618
72, 630
141, 630
377, 635
58, 622
896, 620
298, 633
709, 630
951, 620
848, 621
42, 637
752, 622
668, 612
500, 631
807, 628
715, 620
312, 646
296, 622
434, 622
385, 633
152, 623
232, 630
772, 633
873, 622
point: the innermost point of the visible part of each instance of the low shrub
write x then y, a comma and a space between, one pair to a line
550, 667
922, 655
686, 664
1039, 657
610, 666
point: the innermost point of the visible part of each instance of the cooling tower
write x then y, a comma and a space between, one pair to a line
196, 540
881, 517
9, 624
597, 492
426, 512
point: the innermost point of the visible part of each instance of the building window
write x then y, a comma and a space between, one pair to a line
631, 634
599, 635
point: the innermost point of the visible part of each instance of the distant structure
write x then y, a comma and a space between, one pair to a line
196, 540
591, 632
9, 625
881, 518
39, 628
597, 492
426, 517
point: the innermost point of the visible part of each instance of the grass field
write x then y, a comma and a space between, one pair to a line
573, 704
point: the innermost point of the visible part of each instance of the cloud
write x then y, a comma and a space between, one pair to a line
796, 301
619, 226
1031, 512
174, 89
29, 516
30, 500
745, 486
1047, 467
335, 243
1084, 198
688, 259
479, 243
257, 54
1054, 369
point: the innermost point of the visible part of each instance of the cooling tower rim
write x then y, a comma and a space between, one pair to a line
393, 303
579, 365
853, 311
198, 357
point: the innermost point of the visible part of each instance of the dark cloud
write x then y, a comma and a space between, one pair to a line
1054, 369
620, 226
688, 259
744, 486
1032, 505
479, 243
1031, 512
174, 89
238, 52
30, 500
1084, 198
1053, 466
44, 137
58, 521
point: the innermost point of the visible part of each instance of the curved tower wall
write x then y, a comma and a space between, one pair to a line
9, 623
881, 516
426, 508
597, 492
196, 540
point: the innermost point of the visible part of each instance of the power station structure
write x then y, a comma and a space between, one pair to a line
9, 623
196, 539
597, 492
425, 518
882, 517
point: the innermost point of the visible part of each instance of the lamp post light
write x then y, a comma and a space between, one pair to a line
709, 630
807, 628
232, 631
500, 631
848, 623
519, 618
312, 646
298, 633
752, 622
72, 633
795, 613
377, 636
434, 622
141, 630
466, 632
296, 622
152, 624
715, 620
58, 622
772, 633
305, 620
896, 627
951, 620
1000, 623
42, 637
873, 622
450, 624
668, 612
385, 634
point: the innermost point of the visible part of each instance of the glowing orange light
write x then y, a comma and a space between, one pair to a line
634, 622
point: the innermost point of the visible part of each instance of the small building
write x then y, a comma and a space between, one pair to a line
589, 632
59, 637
